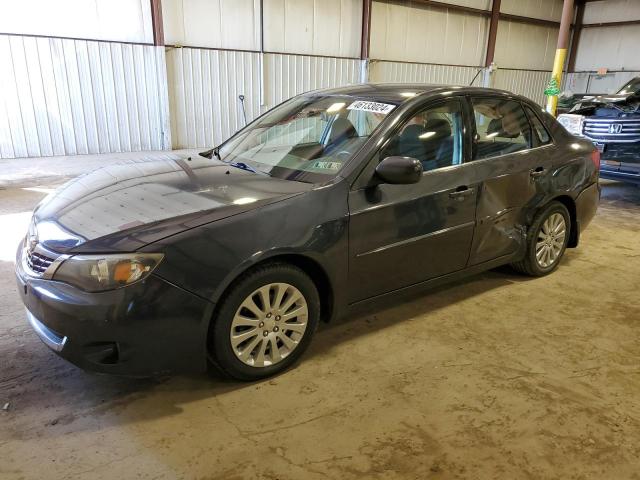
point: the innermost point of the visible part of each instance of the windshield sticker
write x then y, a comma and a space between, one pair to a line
375, 107
327, 165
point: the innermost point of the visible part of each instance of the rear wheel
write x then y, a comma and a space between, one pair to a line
265, 322
546, 241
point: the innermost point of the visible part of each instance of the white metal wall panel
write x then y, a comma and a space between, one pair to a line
289, 75
481, 4
115, 20
399, 72
591, 82
313, 27
66, 97
529, 83
232, 24
523, 82
543, 9
204, 86
615, 48
525, 46
611, 11
418, 33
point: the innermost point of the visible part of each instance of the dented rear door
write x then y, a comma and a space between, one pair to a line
510, 183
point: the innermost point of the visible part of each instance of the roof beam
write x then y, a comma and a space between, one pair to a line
575, 39
365, 40
156, 22
611, 24
493, 32
476, 11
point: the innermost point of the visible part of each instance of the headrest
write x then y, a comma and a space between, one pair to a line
441, 128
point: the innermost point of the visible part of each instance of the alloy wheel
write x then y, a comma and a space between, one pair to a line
269, 324
550, 240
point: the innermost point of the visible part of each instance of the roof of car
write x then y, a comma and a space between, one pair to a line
399, 92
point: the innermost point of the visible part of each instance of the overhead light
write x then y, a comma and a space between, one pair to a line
408, 94
244, 200
426, 135
336, 107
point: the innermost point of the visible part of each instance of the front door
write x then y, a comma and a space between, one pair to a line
400, 235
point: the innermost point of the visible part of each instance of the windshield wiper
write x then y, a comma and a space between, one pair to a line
243, 166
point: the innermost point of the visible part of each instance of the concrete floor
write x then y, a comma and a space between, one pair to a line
498, 376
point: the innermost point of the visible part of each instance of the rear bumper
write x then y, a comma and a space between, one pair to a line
144, 329
586, 206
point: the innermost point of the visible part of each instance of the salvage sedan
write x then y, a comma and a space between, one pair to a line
330, 200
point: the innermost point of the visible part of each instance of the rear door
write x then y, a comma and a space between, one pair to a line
513, 154
400, 235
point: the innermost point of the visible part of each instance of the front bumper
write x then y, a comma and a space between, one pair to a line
621, 176
147, 328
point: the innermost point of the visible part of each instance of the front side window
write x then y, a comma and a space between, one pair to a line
308, 139
501, 127
433, 136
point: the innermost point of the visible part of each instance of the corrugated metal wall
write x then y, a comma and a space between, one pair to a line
529, 83
113, 20
204, 86
591, 82
66, 97
401, 72
418, 33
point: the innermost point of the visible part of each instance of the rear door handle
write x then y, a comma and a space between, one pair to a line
537, 172
461, 192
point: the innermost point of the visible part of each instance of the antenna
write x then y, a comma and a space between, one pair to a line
474, 78
244, 113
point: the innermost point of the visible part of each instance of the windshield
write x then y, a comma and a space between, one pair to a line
307, 139
632, 87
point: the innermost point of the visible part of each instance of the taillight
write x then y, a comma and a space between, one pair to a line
595, 158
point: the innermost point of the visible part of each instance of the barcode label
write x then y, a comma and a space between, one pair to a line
375, 107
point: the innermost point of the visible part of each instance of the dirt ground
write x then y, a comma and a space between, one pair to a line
498, 376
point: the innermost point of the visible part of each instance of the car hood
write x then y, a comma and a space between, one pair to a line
126, 206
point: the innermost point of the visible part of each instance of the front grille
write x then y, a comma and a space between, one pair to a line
37, 262
605, 129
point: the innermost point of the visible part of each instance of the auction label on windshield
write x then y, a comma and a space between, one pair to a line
375, 107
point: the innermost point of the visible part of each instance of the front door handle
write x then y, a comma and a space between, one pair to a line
461, 192
537, 172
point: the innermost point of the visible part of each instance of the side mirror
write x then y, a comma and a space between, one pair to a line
399, 170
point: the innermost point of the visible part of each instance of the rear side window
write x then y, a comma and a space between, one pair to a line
541, 134
501, 127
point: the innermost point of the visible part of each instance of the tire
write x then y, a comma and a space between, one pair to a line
250, 340
548, 216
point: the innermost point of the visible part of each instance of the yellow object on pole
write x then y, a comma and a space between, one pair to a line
556, 74
561, 53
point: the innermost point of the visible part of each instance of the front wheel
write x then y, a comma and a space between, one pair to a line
265, 322
546, 241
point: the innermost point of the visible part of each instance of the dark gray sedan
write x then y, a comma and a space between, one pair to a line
330, 200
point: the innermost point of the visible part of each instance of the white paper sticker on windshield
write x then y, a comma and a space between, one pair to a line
375, 107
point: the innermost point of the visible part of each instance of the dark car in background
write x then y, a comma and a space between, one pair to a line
612, 123
333, 199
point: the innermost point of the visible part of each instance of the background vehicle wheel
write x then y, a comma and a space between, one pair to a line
265, 322
546, 241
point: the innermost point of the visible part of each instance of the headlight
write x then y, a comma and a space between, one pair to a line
95, 273
573, 123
